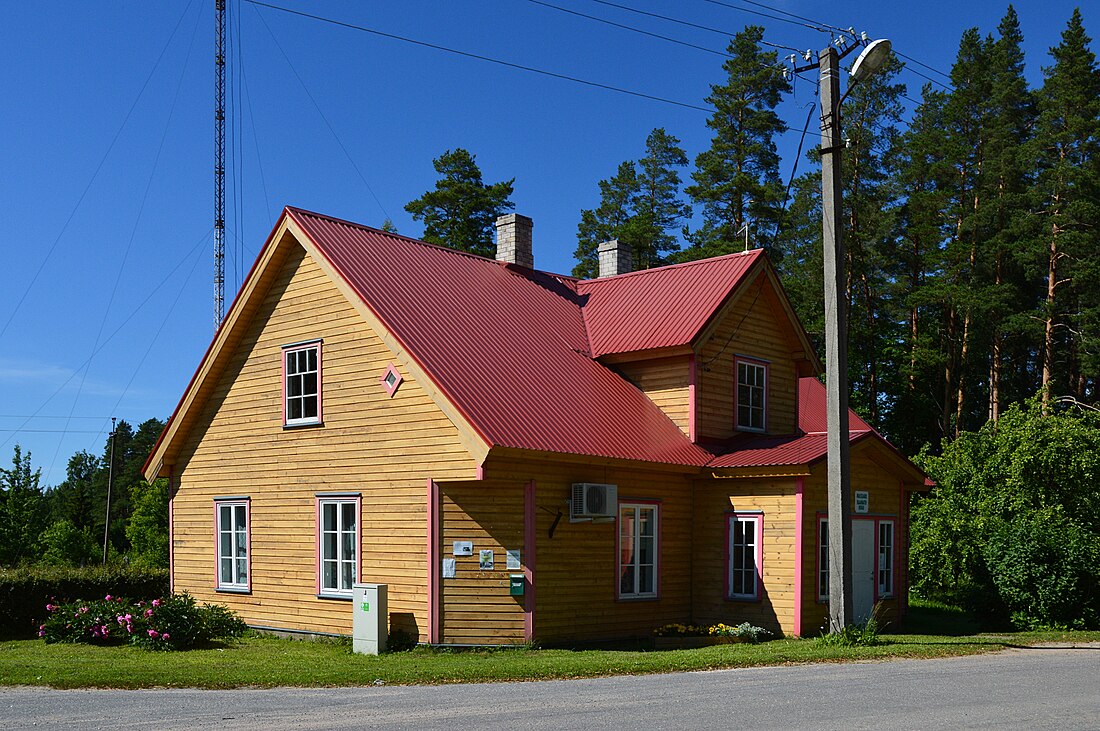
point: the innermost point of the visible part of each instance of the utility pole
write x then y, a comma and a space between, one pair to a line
110, 484
219, 164
836, 347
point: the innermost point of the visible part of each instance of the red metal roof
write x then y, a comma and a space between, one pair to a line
507, 345
659, 308
806, 447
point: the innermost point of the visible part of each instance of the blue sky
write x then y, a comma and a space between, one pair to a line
106, 143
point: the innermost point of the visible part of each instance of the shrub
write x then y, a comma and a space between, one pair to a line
63, 544
861, 634
25, 592
174, 623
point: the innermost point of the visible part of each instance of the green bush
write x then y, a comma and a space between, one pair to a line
174, 623
63, 544
24, 593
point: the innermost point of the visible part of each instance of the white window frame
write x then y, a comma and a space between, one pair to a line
753, 550
755, 367
240, 544
636, 538
341, 560
884, 562
290, 351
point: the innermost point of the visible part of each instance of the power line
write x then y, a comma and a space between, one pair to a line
630, 28
95, 173
479, 57
807, 22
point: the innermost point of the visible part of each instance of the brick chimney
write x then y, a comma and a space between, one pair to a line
514, 240
615, 258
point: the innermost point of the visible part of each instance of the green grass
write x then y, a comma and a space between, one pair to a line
266, 661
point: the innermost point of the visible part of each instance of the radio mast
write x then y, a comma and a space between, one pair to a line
219, 164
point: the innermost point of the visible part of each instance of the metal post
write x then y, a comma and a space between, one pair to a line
110, 484
219, 163
836, 347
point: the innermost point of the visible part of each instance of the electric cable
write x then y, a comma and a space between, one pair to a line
95, 173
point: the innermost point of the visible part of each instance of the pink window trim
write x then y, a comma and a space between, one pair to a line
337, 498
877, 520
736, 387
320, 381
530, 541
171, 531
757, 518
693, 376
656, 505
391, 389
247, 502
799, 551
434, 554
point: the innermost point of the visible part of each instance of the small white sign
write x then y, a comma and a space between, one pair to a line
485, 559
514, 563
863, 501
463, 548
448, 568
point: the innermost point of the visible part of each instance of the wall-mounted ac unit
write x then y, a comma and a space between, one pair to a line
592, 500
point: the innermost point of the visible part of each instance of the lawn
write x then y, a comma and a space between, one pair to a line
268, 661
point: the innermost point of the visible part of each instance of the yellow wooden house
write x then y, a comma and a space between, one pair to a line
518, 455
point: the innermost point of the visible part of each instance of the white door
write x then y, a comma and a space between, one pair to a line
863, 569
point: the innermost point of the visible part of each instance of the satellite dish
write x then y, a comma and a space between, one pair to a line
871, 59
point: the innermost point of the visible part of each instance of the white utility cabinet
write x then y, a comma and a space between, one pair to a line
370, 619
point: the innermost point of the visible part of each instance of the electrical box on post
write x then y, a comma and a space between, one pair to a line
515, 584
370, 618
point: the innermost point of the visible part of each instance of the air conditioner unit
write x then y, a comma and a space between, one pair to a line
592, 500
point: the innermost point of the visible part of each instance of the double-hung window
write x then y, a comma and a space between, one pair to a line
337, 544
231, 517
302, 384
823, 559
637, 550
752, 382
743, 560
885, 558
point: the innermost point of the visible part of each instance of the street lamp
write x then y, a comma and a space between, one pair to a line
870, 61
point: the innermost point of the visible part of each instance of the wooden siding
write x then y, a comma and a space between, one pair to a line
576, 574
475, 606
384, 448
751, 325
666, 381
714, 501
884, 493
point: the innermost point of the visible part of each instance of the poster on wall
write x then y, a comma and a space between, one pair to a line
863, 501
514, 563
448, 568
485, 559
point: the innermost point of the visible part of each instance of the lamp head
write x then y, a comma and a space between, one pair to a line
871, 60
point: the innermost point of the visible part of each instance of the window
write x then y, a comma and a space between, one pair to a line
302, 384
752, 381
823, 559
231, 517
885, 558
743, 576
337, 545
637, 551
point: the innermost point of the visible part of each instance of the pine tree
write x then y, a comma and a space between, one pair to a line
737, 180
640, 205
462, 210
1067, 196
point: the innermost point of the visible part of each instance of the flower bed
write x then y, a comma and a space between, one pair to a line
176, 622
684, 636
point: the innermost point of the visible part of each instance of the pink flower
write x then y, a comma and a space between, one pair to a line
107, 598
154, 634
83, 610
121, 619
50, 607
156, 602
148, 612
164, 636
41, 633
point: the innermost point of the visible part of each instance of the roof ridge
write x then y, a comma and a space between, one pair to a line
619, 277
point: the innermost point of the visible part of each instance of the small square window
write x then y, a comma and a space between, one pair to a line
391, 379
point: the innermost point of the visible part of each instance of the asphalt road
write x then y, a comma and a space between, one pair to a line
1034, 688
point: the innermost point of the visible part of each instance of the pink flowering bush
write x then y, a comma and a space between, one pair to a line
176, 622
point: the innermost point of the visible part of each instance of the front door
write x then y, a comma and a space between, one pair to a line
863, 569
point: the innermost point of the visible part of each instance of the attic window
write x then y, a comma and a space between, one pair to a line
391, 379
752, 383
302, 384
